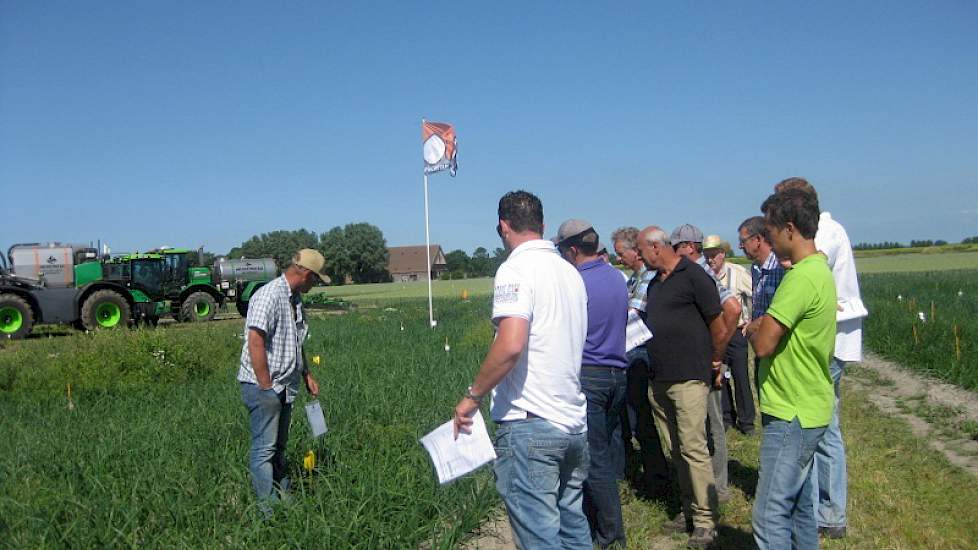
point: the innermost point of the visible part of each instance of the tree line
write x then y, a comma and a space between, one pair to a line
358, 252
460, 265
922, 243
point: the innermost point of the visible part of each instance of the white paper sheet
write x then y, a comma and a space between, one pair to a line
636, 333
317, 422
454, 458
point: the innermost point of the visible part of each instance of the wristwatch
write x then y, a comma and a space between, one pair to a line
472, 396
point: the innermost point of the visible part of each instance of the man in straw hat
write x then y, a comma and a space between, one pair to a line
738, 280
272, 365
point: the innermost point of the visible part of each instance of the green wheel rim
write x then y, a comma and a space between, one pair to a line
202, 309
108, 315
10, 320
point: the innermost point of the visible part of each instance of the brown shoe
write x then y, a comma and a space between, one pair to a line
701, 538
678, 524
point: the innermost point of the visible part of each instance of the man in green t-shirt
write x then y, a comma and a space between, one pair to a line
794, 340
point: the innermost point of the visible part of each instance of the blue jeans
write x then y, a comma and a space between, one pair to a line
540, 474
604, 388
829, 477
783, 515
269, 416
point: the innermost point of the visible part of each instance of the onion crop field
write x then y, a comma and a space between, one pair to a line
151, 449
926, 321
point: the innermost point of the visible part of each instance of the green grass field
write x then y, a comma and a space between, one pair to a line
393, 292
917, 262
927, 321
154, 449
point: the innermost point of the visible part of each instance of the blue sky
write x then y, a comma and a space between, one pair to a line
144, 124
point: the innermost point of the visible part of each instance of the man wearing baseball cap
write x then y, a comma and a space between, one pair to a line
603, 369
687, 240
272, 365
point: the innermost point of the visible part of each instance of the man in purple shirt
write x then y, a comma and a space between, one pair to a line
603, 370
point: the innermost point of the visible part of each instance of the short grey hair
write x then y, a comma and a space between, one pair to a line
627, 236
655, 234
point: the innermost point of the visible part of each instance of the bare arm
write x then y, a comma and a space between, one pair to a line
311, 385
731, 318
511, 340
765, 335
259, 358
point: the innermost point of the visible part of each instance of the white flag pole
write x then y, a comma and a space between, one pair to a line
427, 253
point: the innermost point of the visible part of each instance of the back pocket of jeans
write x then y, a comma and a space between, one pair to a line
545, 457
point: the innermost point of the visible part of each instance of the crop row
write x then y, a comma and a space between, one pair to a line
152, 448
926, 321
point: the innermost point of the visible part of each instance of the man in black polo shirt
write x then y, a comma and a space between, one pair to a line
683, 313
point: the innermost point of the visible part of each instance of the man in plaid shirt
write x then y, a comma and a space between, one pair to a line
766, 271
272, 365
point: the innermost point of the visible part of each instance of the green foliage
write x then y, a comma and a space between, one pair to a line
357, 250
932, 306
878, 246
457, 263
154, 451
281, 245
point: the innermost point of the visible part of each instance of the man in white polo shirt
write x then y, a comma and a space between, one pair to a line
533, 370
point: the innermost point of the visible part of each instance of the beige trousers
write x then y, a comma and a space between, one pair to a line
679, 409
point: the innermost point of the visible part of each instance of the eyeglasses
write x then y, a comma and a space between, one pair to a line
747, 238
499, 229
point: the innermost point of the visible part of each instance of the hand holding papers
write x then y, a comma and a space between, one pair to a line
636, 333
454, 458
317, 422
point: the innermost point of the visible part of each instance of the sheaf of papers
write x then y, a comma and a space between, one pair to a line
636, 333
453, 458
317, 422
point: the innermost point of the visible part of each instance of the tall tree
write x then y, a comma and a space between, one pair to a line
357, 250
499, 256
281, 245
457, 263
339, 262
481, 263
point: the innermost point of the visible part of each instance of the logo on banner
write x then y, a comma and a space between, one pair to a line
440, 147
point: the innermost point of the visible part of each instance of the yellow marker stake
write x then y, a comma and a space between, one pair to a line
315, 360
309, 461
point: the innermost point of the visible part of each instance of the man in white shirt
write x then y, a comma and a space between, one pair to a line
829, 475
533, 369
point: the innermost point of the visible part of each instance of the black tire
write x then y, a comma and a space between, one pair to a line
198, 307
16, 316
105, 309
242, 308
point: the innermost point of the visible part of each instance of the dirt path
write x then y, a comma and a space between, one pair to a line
935, 410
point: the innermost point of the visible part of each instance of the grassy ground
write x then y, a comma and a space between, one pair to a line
388, 293
154, 449
902, 493
917, 262
927, 321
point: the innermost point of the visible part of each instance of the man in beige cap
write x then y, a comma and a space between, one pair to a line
738, 280
272, 365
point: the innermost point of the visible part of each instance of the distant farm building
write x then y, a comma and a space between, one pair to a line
408, 263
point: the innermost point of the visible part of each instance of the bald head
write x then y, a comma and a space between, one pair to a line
655, 248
